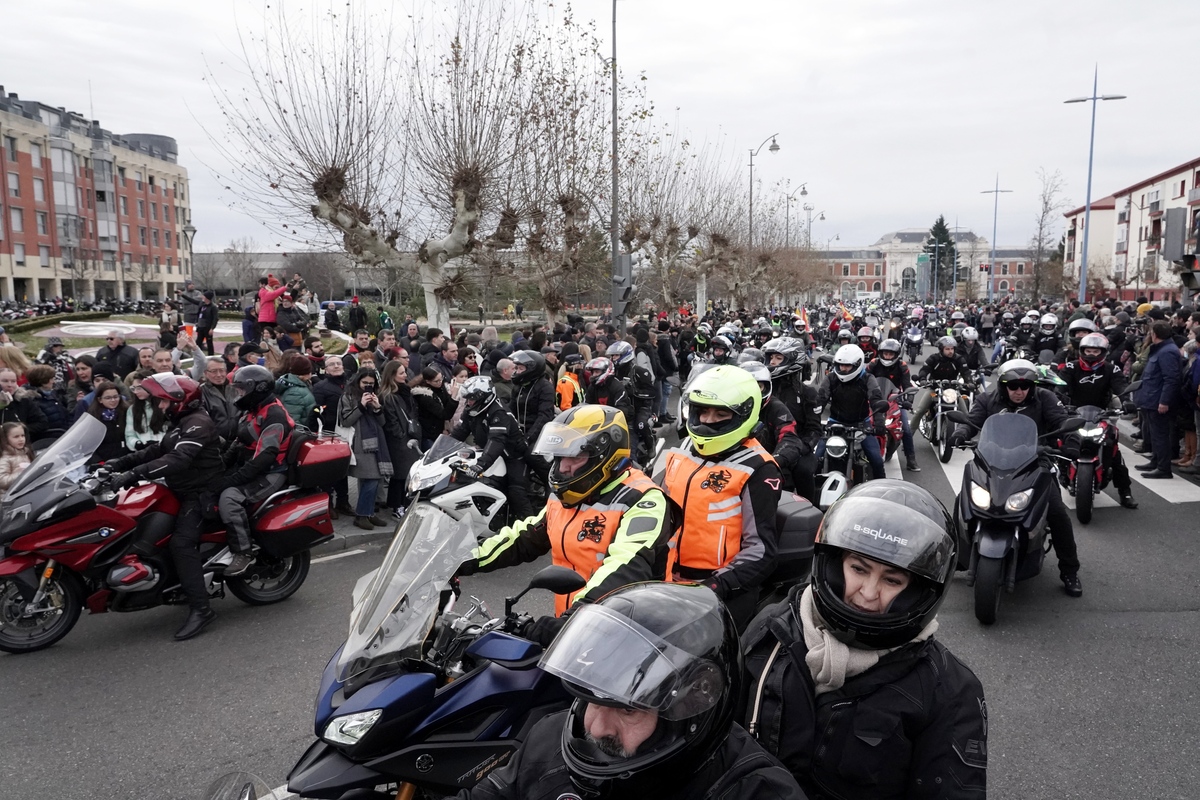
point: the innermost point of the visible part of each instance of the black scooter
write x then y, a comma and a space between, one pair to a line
1002, 507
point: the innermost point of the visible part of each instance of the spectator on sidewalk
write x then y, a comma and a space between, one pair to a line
357, 315
206, 321
190, 301
269, 291
121, 357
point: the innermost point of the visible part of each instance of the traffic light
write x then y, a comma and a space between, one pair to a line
622, 285
984, 267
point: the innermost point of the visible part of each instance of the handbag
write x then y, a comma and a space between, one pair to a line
346, 432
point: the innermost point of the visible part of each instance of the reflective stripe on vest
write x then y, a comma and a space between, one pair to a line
580, 536
710, 493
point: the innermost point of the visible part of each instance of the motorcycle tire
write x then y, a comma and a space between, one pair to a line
1085, 488
945, 451
892, 446
989, 574
283, 578
70, 602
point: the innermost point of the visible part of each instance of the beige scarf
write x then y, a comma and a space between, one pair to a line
831, 661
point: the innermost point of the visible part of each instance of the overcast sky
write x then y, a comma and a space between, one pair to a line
892, 111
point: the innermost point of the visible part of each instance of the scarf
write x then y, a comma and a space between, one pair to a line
832, 661
373, 441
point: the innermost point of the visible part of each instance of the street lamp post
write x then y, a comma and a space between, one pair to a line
808, 231
189, 235
774, 148
787, 215
1087, 205
995, 193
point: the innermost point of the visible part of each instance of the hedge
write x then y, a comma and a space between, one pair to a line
37, 323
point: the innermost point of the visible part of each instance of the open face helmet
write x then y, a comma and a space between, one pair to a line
970, 335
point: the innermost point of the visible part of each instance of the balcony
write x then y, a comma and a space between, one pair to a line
1122, 246
1123, 217
1155, 208
1150, 262
1152, 242
1194, 196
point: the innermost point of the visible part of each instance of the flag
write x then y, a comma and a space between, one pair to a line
846, 315
804, 316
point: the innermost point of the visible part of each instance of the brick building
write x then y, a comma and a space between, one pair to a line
86, 208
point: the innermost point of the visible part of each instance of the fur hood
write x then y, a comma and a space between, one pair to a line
423, 391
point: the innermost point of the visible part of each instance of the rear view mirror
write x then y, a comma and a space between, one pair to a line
1133, 387
960, 417
559, 580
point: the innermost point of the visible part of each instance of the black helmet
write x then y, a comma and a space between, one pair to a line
751, 354
530, 366
895, 523
477, 394
764, 334
670, 648
253, 385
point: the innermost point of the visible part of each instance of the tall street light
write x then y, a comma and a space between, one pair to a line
995, 193
820, 218
1087, 206
787, 215
774, 148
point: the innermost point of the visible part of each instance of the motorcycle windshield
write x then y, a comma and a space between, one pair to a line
65, 458
1008, 441
445, 445
395, 607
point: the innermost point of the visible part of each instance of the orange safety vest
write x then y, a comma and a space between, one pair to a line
570, 393
580, 536
710, 493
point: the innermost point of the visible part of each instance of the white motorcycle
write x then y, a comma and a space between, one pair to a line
437, 479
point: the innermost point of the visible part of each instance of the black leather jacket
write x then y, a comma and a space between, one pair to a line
495, 431
913, 726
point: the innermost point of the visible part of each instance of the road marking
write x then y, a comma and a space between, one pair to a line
279, 793
893, 469
1101, 500
1175, 490
336, 556
954, 467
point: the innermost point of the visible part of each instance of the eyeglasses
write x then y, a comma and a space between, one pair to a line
1019, 386
110, 338
108, 397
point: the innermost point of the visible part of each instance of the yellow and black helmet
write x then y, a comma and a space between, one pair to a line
598, 432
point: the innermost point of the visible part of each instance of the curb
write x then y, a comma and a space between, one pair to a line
346, 540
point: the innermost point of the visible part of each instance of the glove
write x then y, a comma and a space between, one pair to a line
465, 469
881, 430
467, 567
957, 439
544, 629
121, 480
413, 444
717, 589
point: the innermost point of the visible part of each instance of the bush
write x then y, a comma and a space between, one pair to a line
37, 323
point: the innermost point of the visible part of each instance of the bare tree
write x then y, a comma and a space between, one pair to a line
1047, 279
239, 263
321, 271
207, 269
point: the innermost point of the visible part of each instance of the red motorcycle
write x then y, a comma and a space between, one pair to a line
67, 541
896, 400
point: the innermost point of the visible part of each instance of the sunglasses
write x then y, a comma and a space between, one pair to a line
1019, 386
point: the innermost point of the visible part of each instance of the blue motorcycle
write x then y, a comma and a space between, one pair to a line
420, 700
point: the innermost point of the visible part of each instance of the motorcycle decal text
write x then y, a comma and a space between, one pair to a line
877, 533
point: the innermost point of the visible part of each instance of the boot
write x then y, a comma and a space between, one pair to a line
1127, 501
197, 620
911, 466
1189, 449
238, 566
364, 523
1072, 585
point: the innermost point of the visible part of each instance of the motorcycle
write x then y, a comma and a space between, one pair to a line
437, 478
844, 463
1086, 455
914, 341
936, 426
894, 423
1002, 507
68, 542
420, 697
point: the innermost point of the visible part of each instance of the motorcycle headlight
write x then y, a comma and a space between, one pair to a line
1017, 501
351, 728
980, 497
1091, 433
949, 395
836, 447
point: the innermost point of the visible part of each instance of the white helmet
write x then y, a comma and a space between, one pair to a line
970, 335
851, 356
1049, 323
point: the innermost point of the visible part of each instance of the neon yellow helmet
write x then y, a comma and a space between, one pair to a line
729, 388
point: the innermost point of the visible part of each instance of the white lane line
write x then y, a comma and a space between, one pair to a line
955, 466
1101, 500
1175, 490
280, 793
336, 556
894, 469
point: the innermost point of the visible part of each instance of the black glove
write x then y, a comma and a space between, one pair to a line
717, 588
468, 567
881, 430
957, 439
466, 469
121, 480
544, 629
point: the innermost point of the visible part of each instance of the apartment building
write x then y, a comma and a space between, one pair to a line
1128, 235
86, 212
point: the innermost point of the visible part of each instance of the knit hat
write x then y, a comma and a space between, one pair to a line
300, 365
569, 349
1144, 309
53, 341
104, 370
210, 294
272, 281
642, 336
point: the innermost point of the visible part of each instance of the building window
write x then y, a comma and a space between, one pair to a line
121, 175
156, 265
10, 147
125, 206
154, 236
43, 225
19, 254
17, 218
127, 260
153, 188
862, 286
169, 264
876, 287
44, 256
137, 181
35, 154
125, 234
1003, 286
142, 236
154, 211
167, 239
878, 270
862, 270
110, 265
1020, 269
1004, 268
14, 185
39, 190
141, 209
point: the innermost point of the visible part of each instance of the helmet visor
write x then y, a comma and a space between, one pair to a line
558, 440
912, 542
619, 663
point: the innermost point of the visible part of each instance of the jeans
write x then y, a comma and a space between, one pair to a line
870, 446
906, 439
1158, 431
665, 391
367, 489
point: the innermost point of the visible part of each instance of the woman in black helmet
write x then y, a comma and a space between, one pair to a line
846, 684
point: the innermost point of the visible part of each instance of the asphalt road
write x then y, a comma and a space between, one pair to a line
1088, 698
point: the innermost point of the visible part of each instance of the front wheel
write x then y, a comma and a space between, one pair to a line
989, 574
271, 581
24, 630
946, 450
1085, 480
